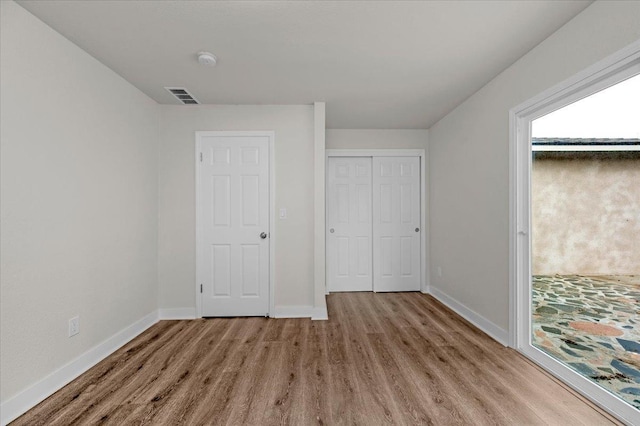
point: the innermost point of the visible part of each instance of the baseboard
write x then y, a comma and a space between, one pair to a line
319, 313
296, 311
300, 311
177, 313
497, 333
19, 404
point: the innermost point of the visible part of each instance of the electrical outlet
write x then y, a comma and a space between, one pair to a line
74, 326
439, 272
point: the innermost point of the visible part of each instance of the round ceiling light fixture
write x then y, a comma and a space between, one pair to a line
208, 59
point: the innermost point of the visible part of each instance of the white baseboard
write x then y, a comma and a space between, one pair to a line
300, 311
297, 311
177, 313
319, 313
497, 333
19, 404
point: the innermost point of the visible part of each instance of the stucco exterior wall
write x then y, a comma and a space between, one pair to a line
586, 213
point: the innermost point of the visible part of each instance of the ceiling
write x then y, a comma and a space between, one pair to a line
384, 64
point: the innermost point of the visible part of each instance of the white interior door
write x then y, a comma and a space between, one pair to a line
234, 225
349, 225
396, 224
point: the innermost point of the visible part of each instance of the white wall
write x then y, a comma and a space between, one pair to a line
469, 158
294, 169
319, 178
79, 200
377, 138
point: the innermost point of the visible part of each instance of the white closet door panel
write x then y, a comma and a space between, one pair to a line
396, 223
349, 228
234, 200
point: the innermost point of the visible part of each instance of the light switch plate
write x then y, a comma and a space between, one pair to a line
283, 213
74, 326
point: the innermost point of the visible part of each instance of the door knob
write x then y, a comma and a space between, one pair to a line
263, 235
417, 229
332, 230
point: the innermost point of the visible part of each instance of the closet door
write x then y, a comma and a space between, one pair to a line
396, 224
349, 227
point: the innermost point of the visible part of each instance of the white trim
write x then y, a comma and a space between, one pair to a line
424, 207
291, 311
320, 313
19, 404
272, 202
197, 152
607, 72
424, 196
375, 152
272, 221
177, 313
513, 184
495, 332
593, 78
301, 311
598, 395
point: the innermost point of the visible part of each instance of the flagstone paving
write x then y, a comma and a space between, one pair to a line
592, 324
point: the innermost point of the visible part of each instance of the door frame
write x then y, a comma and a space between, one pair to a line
272, 197
424, 201
604, 73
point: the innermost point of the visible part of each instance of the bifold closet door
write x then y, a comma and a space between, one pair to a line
396, 223
349, 224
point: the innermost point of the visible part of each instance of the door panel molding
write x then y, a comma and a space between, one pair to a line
397, 229
248, 157
349, 224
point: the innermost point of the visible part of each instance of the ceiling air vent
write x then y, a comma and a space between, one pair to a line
183, 95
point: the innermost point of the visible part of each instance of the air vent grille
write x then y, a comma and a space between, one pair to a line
183, 95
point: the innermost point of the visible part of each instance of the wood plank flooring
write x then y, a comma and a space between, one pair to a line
394, 358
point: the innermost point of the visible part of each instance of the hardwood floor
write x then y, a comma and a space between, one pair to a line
394, 358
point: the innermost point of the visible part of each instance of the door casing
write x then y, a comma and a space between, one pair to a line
272, 196
615, 68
